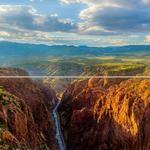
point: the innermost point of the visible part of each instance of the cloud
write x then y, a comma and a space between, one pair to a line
24, 35
99, 18
118, 19
114, 16
26, 17
16, 35
146, 1
147, 38
119, 42
4, 34
25, 24
104, 2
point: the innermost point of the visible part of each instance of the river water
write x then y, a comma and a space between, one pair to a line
59, 136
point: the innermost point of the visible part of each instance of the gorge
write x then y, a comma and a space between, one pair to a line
93, 114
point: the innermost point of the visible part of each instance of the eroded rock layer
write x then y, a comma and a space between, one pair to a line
107, 115
25, 118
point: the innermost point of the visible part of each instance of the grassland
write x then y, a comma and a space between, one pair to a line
70, 66
84, 66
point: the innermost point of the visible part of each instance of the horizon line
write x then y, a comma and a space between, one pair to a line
69, 45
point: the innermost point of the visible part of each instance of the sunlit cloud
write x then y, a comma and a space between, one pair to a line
4, 34
147, 38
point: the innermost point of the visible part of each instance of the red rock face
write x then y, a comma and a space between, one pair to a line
98, 116
27, 118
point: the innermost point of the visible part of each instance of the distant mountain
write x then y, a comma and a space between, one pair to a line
24, 50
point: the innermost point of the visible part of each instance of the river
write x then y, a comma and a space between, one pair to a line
58, 131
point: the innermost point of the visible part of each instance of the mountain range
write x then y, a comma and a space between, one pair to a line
24, 49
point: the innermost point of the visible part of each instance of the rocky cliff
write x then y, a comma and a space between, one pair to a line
25, 118
104, 115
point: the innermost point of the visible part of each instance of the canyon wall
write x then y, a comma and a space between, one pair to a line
99, 114
25, 118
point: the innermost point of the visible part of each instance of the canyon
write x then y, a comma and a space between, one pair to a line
93, 114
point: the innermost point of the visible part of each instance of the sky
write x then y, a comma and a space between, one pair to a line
76, 22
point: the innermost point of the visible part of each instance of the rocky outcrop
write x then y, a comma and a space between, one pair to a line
102, 115
25, 118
